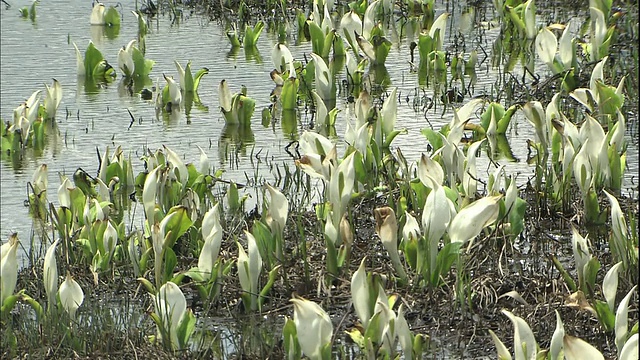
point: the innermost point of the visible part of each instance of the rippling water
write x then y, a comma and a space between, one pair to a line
34, 53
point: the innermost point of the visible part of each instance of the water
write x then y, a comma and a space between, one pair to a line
34, 53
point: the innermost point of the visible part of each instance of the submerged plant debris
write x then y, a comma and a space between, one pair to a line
349, 250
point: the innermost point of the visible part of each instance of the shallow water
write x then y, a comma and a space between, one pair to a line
34, 53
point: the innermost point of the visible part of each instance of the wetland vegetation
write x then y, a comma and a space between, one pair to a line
355, 245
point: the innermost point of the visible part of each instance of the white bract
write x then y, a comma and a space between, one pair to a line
50, 274
622, 320
110, 239
282, 59
313, 326
171, 307
212, 234
341, 185
249, 268
470, 221
324, 78
581, 254
436, 217
64, 198
8, 267
97, 14
71, 296
610, 285
351, 26
439, 24
360, 294
149, 194
125, 59
52, 99
278, 210
205, 164
524, 341
39, 179
176, 164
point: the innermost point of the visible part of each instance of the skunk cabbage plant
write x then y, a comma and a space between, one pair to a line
101, 15
523, 17
52, 99
249, 268
313, 327
50, 274
237, 109
387, 230
71, 296
562, 346
189, 82
93, 66
132, 62
8, 267
174, 322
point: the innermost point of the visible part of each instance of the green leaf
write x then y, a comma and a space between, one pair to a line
273, 276
188, 78
591, 273
103, 72
8, 305
444, 260
147, 285
170, 262
265, 242
185, 329
565, 274
290, 334
233, 39
289, 95
111, 17
245, 107
608, 101
317, 37
606, 317
141, 65
381, 46
411, 253
177, 225
433, 137
328, 43
196, 78
516, 216
251, 35
32, 12
92, 57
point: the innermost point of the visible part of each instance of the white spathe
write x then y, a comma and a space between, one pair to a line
313, 326
71, 296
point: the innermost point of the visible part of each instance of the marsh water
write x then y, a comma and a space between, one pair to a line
34, 52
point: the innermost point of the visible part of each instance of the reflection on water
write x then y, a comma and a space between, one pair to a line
101, 32
252, 54
234, 141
